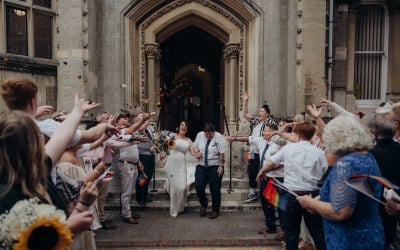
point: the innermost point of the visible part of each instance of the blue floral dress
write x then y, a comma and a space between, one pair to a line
363, 230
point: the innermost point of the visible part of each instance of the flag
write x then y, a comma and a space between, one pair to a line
142, 178
382, 180
360, 183
273, 196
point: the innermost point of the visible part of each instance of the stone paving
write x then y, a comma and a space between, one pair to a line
156, 230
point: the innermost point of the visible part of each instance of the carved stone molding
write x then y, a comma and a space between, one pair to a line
231, 50
179, 3
152, 50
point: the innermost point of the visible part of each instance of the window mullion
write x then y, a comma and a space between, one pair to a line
30, 33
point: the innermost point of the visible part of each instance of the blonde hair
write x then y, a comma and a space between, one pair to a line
345, 134
22, 156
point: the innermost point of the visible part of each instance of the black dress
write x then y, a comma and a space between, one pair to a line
15, 194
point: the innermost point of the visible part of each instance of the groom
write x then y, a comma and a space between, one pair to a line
209, 148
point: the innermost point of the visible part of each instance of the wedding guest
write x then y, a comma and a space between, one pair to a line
176, 168
26, 162
257, 124
209, 149
394, 114
393, 209
148, 159
267, 148
128, 165
351, 220
304, 165
21, 94
386, 151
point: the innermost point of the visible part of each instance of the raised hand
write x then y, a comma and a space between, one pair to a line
111, 130
88, 193
44, 110
325, 102
142, 138
314, 110
112, 120
84, 106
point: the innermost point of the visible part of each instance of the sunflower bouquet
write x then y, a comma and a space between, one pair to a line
164, 141
30, 225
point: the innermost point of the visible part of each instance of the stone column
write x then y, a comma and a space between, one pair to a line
153, 54
351, 31
231, 53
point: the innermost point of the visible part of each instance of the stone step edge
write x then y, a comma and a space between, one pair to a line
192, 207
184, 243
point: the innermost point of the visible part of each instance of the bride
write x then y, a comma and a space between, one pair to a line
176, 168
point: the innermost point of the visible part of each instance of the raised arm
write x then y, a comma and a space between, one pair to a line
64, 133
245, 98
237, 138
316, 113
336, 107
94, 133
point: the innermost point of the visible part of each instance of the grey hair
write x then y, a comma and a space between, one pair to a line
381, 125
345, 134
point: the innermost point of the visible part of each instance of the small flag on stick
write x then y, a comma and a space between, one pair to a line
359, 183
273, 196
142, 178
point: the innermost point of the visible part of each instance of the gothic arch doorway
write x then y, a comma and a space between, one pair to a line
190, 80
156, 29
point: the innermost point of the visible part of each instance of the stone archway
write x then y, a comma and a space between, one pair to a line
149, 23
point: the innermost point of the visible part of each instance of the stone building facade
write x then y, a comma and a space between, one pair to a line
192, 59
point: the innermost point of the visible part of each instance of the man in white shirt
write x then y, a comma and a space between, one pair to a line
209, 148
304, 165
128, 165
267, 148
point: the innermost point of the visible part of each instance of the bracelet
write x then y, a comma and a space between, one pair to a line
79, 210
84, 203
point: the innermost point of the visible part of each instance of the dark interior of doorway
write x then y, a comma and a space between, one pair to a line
191, 79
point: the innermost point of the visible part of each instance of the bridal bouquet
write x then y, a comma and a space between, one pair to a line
30, 225
164, 141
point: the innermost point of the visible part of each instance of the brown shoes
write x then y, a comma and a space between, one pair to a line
280, 236
107, 224
131, 220
135, 216
266, 230
203, 211
214, 215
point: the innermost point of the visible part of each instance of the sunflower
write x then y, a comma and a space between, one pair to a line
44, 233
171, 144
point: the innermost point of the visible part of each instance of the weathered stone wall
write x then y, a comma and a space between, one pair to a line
47, 88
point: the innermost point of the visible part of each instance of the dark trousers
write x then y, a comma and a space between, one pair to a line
292, 221
148, 162
252, 170
269, 210
209, 175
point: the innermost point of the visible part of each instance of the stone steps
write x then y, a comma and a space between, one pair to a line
233, 191
230, 201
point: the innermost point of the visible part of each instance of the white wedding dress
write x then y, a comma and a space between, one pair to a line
176, 168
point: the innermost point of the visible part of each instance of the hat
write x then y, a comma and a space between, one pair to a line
386, 108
